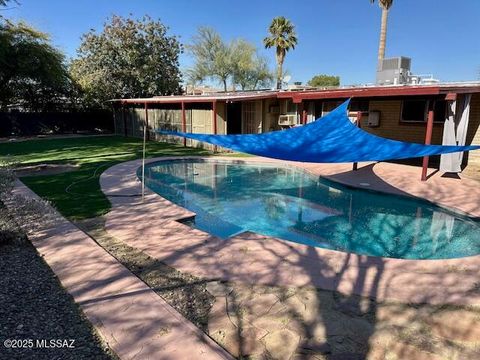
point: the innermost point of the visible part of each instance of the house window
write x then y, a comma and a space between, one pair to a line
249, 118
355, 105
417, 110
252, 117
414, 110
328, 106
291, 107
440, 108
359, 105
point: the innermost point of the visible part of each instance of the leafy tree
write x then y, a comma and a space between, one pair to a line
282, 38
129, 58
385, 5
194, 76
324, 80
249, 69
213, 57
33, 74
5, 2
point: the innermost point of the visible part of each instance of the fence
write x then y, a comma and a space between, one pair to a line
30, 124
129, 122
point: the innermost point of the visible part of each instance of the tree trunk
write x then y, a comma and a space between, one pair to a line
383, 38
224, 85
280, 58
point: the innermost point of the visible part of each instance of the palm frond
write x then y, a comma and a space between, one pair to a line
384, 4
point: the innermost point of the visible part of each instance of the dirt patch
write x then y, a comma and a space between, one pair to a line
44, 169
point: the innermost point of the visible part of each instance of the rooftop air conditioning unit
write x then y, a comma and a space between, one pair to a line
287, 120
394, 71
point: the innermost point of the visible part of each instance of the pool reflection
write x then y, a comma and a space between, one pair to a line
289, 204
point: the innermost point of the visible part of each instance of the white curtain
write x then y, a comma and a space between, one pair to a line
447, 161
455, 133
462, 126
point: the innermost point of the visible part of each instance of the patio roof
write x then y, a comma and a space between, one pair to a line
382, 91
327, 93
227, 97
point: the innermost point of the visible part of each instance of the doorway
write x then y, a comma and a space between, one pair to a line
234, 118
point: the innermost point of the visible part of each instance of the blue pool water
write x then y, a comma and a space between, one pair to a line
290, 204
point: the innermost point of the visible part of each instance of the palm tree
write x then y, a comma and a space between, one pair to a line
283, 38
385, 5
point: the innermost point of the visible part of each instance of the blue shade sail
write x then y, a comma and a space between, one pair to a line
330, 139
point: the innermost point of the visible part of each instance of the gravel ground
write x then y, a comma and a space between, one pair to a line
34, 307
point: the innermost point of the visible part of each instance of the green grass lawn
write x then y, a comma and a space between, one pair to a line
84, 199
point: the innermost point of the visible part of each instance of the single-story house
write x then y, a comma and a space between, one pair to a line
399, 112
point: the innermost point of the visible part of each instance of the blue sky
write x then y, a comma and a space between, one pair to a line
338, 37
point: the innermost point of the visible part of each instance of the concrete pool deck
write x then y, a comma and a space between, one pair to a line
131, 318
153, 227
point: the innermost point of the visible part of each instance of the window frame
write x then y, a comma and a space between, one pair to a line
428, 106
291, 108
425, 111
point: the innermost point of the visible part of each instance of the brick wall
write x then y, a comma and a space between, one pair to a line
473, 134
391, 128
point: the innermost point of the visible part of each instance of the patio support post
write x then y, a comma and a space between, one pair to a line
300, 112
146, 121
114, 114
184, 123
145, 124
359, 124
214, 121
124, 120
428, 141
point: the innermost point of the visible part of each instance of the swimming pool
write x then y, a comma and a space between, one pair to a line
290, 204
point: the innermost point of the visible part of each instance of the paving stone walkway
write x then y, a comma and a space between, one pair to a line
134, 321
